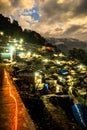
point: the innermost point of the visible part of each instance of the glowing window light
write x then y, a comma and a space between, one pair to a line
61, 55
12, 96
80, 66
15, 40
60, 78
55, 55
45, 60
34, 55
22, 55
58, 62
36, 74
29, 54
21, 40
16, 45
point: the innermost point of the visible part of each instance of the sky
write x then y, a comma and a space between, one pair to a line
50, 18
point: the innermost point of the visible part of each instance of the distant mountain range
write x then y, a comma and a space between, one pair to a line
66, 44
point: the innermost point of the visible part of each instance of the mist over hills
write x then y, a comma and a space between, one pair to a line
66, 44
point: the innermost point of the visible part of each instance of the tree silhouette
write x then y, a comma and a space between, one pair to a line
13, 29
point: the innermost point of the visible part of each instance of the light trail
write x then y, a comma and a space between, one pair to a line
12, 96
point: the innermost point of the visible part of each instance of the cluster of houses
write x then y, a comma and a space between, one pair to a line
51, 72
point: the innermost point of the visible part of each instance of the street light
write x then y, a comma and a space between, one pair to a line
1, 33
11, 53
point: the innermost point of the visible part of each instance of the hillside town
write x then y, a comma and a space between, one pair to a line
47, 80
43, 65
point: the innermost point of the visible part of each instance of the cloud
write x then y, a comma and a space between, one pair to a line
26, 3
51, 10
48, 17
69, 13
81, 8
72, 29
4, 5
12, 6
25, 21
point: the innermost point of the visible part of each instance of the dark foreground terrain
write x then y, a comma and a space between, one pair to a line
59, 117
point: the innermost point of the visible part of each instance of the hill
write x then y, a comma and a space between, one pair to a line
13, 29
65, 44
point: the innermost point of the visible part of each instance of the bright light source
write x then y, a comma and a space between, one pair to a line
55, 55
36, 74
11, 52
29, 54
80, 67
1, 33
21, 40
58, 62
34, 55
12, 49
21, 48
45, 60
60, 78
61, 55
22, 55
15, 40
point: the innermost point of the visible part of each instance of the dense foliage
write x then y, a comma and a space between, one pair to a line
13, 29
79, 54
